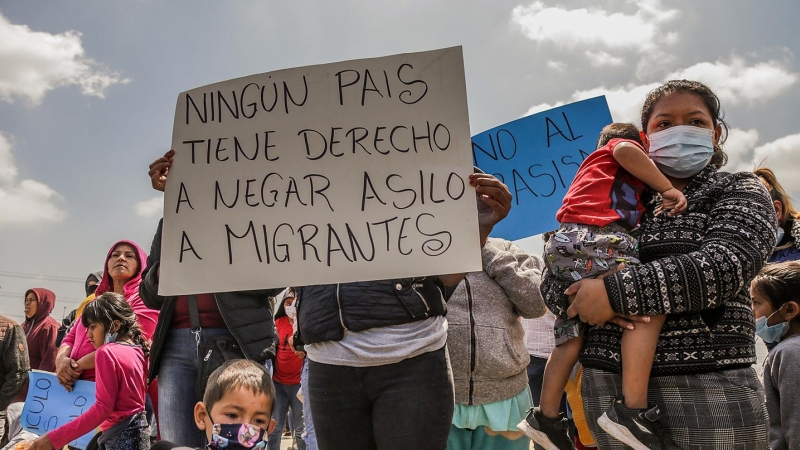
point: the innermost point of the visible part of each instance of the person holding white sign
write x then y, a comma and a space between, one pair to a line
378, 370
245, 316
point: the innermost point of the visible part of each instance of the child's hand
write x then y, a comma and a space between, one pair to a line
43, 443
673, 201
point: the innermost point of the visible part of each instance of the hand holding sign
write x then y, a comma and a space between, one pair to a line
494, 201
48, 406
159, 170
67, 372
43, 443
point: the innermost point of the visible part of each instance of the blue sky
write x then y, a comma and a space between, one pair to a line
88, 89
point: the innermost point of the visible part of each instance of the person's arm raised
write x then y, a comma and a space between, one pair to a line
494, 203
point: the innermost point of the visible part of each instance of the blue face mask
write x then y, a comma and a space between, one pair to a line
111, 337
237, 436
771, 334
682, 151
781, 233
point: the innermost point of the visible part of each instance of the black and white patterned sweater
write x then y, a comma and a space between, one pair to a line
696, 268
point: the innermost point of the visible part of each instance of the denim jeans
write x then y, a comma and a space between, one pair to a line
309, 435
285, 397
535, 377
406, 405
177, 380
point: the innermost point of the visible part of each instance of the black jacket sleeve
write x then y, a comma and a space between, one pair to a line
148, 289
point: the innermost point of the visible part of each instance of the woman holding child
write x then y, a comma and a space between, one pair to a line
695, 269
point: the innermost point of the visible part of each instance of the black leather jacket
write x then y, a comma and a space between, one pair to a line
248, 314
325, 311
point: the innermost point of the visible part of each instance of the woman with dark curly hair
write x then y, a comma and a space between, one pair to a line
696, 269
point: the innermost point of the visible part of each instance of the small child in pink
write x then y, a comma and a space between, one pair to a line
120, 377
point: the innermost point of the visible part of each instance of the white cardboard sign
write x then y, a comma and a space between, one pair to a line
340, 172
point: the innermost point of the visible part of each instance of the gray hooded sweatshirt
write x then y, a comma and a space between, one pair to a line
485, 337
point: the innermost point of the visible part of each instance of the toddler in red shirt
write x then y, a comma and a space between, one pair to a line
601, 207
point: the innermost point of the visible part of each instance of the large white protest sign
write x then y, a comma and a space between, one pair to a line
340, 172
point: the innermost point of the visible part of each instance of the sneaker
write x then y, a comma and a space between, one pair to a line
551, 434
641, 429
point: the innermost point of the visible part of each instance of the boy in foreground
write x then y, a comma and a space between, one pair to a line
236, 411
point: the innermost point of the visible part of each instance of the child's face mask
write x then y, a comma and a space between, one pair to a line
771, 334
237, 436
112, 337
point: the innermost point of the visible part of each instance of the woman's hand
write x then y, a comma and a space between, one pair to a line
589, 301
494, 201
159, 170
67, 372
43, 443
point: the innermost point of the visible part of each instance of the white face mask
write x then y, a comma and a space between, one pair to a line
682, 151
291, 311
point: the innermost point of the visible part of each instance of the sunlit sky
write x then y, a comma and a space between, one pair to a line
88, 89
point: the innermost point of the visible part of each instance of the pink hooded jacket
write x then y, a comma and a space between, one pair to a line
78, 336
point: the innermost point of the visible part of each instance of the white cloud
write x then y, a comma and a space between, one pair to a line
599, 58
735, 82
625, 103
541, 107
780, 155
783, 157
557, 65
150, 208
739, 147
604, 35
34, 62
27, 201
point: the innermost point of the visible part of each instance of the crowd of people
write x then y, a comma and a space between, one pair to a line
635, 328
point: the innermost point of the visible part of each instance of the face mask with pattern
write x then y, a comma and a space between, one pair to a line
237, 436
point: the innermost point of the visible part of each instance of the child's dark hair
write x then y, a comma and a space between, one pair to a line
779, 283
618, 130
238, 373
109, 307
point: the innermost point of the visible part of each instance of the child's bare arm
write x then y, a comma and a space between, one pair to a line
636, 162
673, 201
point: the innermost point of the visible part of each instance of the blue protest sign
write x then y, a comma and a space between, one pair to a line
537, 157
49, 406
